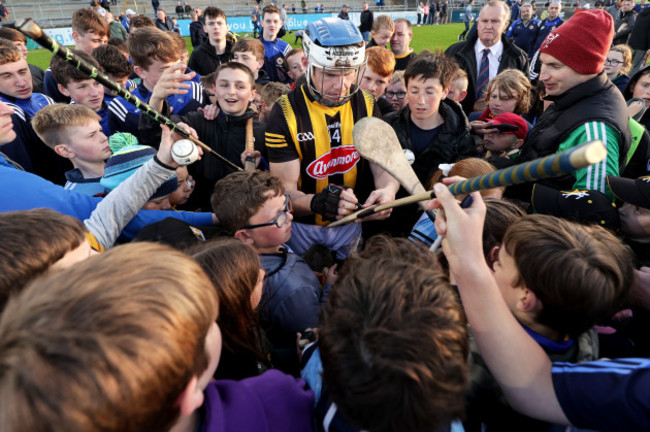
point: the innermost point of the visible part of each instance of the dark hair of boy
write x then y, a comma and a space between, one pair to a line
9, 53
213, 12
112, 61
150, 44
393, 340
250, 45
293, 52
428, 66
234, 269
209, 80
119, 44
270, 9
579, 273
12, 35
86, 20
32, 241
140, 21
236, 66
65, 72
500, 214
271, 92
238, 196
123, 364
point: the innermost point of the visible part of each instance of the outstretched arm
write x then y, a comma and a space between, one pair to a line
518, 363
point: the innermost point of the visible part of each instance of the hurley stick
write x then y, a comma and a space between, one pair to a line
377, 142
34, 31
550, 166
249, 165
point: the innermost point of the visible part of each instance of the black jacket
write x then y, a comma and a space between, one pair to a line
166, 25
640, 37
595, 100
454, 142
204, 59
622, 34
225, 134
513, 57
366, 20
197, 34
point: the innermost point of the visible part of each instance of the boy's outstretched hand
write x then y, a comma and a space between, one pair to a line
171, 82
462, 228
167, 139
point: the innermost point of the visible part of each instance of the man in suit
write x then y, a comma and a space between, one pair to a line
487, 53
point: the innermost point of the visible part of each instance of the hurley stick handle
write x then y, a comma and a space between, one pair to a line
34, 31
249, 165
550, 166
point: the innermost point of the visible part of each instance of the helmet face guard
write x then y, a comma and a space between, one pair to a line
336, 48
333, 95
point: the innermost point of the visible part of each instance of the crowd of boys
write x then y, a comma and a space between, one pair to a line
533, 315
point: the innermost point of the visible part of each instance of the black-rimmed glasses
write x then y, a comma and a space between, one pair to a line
281, 218
398, 95
610, 62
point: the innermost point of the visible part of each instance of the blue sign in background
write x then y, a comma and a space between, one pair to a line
245, 25
459, 15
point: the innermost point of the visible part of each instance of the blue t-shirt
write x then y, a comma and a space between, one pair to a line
274, 52
524, 34
611, 395
421, 138
544, 29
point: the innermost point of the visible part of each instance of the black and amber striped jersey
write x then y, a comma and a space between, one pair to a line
321, 137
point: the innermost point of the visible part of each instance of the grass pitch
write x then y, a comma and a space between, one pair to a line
425, 37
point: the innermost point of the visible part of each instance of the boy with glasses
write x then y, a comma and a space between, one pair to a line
396, 91
253, 206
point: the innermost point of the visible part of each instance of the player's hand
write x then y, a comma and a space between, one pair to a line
378, 196
334, 202
171, 82
462, 228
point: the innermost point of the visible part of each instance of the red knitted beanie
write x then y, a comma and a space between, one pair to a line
582, 43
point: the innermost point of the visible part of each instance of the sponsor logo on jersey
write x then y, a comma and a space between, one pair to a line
338, 160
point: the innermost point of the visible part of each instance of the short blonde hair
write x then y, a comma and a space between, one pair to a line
51, 123
515, 84
398, 76
383, 22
